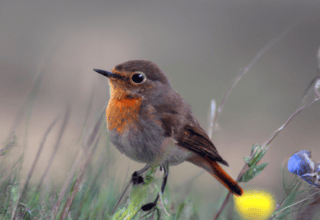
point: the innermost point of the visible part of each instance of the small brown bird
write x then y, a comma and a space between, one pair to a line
149, 122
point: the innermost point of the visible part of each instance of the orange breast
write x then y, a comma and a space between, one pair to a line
121, 113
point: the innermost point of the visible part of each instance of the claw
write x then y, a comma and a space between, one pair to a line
148, 206
136, 179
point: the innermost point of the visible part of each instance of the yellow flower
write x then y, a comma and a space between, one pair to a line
255, 204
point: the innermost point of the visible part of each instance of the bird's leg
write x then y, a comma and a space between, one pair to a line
165, 178
135, 179
151, 205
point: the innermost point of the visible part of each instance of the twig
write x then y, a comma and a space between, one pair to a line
229, 193
260, 53
76, 165
68, 179
78, 182
318, 57
8, 146
213, 113
24, 188
26, 106
38, 155
296, 203
317, 86
245, 70
87, 112
61, 132
286, 193
125, 179
96, 128
10, 171
275, 133
315, 83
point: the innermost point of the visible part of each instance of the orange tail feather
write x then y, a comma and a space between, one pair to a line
224, 178
216, 171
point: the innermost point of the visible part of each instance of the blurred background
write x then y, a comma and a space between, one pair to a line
201, 45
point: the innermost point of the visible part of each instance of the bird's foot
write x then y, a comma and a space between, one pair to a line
136, 178
150, 205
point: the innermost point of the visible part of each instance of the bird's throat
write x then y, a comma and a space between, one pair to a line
122, 111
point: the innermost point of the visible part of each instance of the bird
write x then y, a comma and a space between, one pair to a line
149, 122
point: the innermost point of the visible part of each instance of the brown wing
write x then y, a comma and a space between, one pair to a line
178, 122
195, 139
190, 136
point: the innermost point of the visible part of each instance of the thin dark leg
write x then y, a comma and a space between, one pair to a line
164, 182
136, 179
151, 205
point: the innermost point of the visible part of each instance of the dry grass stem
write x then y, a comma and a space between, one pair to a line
242, 73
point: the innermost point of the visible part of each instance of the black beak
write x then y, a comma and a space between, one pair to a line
108, 74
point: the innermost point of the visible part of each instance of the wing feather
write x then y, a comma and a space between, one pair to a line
195, 139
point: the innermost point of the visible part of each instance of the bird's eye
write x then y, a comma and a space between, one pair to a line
138, 77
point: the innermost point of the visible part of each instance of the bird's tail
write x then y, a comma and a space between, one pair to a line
216, 171
225, 179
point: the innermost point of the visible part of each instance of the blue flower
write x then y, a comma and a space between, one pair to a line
302, 165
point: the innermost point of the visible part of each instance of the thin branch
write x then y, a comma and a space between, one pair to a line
95, 129
38, 154
245, 70
62, 130
213, 113
296, 203
318, 57
76, 164
296, 185
273, 136
317, 87
245, 167
9, 145
275, 133
229, 193
25, 187
26, 107
87, 112
68, 180
78, 182
10, 171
